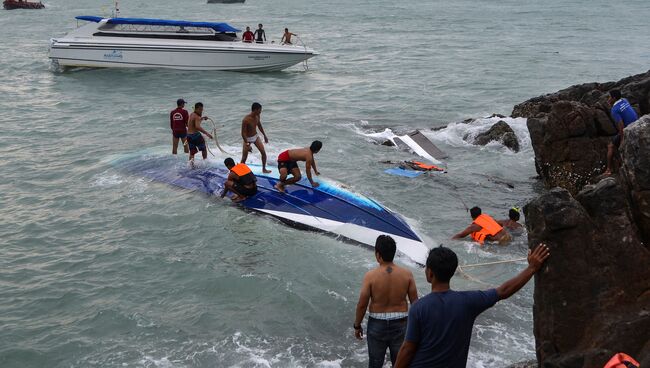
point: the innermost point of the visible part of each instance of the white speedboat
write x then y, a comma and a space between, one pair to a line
158, 43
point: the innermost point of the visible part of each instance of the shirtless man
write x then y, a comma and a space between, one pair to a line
386, 289
194, 138
249, 127
286, 37
288, 164
512, 223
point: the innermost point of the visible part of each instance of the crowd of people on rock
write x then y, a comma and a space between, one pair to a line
434, 330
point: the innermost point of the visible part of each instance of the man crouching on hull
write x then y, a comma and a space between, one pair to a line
241, 181
288, 164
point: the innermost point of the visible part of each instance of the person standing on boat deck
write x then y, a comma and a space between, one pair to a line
439, 328
484, 228
386, 289
623, 115
247, 36
195, 140
286, 37
288, 164
178, 123
260, 35
249, 126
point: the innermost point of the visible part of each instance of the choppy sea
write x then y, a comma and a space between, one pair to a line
102, 269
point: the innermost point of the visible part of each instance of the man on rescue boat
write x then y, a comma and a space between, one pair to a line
484, 228
241, 181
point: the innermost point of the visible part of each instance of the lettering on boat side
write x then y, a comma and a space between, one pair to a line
115, 54
260, 57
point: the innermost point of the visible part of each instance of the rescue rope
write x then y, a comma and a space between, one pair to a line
214, 137
472, 278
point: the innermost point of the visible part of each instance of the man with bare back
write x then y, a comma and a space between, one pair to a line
288, 164
195, 140
386, 288
249, 127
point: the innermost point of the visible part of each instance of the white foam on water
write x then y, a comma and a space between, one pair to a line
460, 134
107, 179
336, 295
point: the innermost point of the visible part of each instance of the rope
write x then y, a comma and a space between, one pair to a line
305, 65
472, 278
214, 137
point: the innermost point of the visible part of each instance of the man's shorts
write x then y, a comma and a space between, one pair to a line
180, 135
195, 142
616, 140
289, 165
246, 192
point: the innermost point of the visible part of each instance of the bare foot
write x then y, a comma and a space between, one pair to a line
237, 198
266, 171
279, 187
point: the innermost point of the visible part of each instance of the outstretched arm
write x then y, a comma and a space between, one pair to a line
470, 229
536, 259
308, 168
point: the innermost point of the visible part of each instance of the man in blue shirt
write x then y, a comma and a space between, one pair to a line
623, 115
440, 324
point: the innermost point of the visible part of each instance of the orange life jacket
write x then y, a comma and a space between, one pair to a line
424, 166
622, 360
489, 227
245, 174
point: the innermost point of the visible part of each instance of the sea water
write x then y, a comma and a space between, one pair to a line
99, 268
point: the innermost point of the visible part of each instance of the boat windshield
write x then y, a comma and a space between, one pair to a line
147, 28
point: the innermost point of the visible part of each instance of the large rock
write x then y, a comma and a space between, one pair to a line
499, 132
570, 129
592, 298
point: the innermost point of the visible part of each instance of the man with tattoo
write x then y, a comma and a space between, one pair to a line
386, 288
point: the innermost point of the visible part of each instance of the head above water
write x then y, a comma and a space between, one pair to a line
475, 212
198, 107
229, 162
441, 264
256, 107
514, 214
385, 248
316, 146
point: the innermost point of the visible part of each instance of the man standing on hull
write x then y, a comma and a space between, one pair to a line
386, 288
288, 164
194, 138
178, 123
249, 126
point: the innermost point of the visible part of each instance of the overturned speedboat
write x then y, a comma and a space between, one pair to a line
328, 208
173, 44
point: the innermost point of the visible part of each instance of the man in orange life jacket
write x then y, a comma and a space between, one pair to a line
484, 228
241, 181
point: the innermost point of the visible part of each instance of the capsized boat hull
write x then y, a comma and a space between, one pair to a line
328, 208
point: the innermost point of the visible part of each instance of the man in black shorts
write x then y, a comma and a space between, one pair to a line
288, 165
241, 181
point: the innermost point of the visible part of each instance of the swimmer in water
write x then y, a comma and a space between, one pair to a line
512, 223
484, 228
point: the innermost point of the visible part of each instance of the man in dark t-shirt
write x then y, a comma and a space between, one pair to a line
440, 324
178, 123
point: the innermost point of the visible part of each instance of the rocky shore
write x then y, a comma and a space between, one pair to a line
592, 298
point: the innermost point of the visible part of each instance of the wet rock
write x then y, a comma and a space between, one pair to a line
388, 143
570, 129
526, 364
592, 298
499, 132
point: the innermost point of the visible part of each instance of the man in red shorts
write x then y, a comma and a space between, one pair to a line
288, 164
178, 123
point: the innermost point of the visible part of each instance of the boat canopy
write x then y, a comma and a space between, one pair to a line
217, 27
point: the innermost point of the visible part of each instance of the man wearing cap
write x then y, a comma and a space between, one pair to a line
178, 123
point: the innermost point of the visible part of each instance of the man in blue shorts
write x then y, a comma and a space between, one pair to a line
623, 115
440, 324
195, 140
